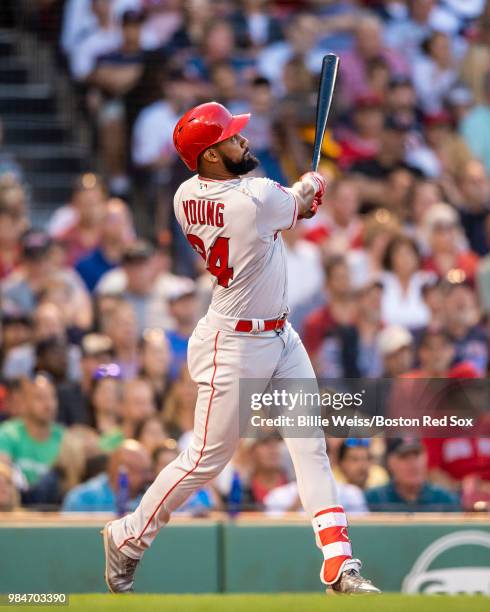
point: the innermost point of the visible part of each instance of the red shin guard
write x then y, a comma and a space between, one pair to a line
330, 526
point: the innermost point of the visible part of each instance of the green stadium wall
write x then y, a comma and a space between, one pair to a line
208, 557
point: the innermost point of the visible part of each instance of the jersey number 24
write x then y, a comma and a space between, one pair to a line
216, 258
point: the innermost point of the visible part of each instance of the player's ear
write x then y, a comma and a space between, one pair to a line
211, 155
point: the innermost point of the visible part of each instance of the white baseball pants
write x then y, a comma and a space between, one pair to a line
218, 358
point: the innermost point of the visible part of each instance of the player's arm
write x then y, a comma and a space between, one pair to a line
308, 191
282, 206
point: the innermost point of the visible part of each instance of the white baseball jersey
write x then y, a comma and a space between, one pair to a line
235, 226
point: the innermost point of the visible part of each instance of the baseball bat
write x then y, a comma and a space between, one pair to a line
330, 67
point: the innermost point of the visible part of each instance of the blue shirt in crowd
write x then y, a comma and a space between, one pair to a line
95, 495
92, 267
178, 350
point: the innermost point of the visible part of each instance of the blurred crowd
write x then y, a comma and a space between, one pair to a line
390, 279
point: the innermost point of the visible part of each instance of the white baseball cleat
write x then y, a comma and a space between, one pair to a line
119, 569
352, 583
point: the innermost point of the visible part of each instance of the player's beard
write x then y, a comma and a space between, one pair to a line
245, 165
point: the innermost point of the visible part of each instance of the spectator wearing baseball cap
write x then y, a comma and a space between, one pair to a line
408, 489
20, 288
184, 308
449, 255
74, 396
395, 345
139, 268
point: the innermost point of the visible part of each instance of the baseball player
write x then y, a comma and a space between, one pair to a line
234, 222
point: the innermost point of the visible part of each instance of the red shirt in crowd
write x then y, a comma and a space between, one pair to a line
459, 457
467, 261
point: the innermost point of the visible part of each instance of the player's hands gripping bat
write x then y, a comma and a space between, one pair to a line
319, 184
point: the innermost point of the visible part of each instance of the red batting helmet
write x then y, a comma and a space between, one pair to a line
204, 126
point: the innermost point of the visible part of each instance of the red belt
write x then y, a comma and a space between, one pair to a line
246, 325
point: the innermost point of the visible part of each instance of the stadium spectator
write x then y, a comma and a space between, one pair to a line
301, 37
368, 48
155, 362
475, 127
355, 465
423, 195
151, 433
409, 489
105, 411
262, 130
9, 496
366, 259
254, 25
448, 253
87, 207
21, 287
137, 405
116, 75
74, 397
121, 325
476, 59
47, 323
472, 197
372, 174
435, 72
447, 151
113, 285
51, 357
338, 290
102, 37
402, 302
13, 197
408, 35
183, 307
116, 233
10, 232
401, 101
395, 345
268, 470
138, 264
31, 442
79, 445
461, 465
462, 323
338, 227
360, 140
16, 331
99, 494
178, 411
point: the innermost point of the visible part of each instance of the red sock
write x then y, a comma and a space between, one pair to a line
330, 526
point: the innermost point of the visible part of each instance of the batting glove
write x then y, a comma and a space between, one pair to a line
317, 181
